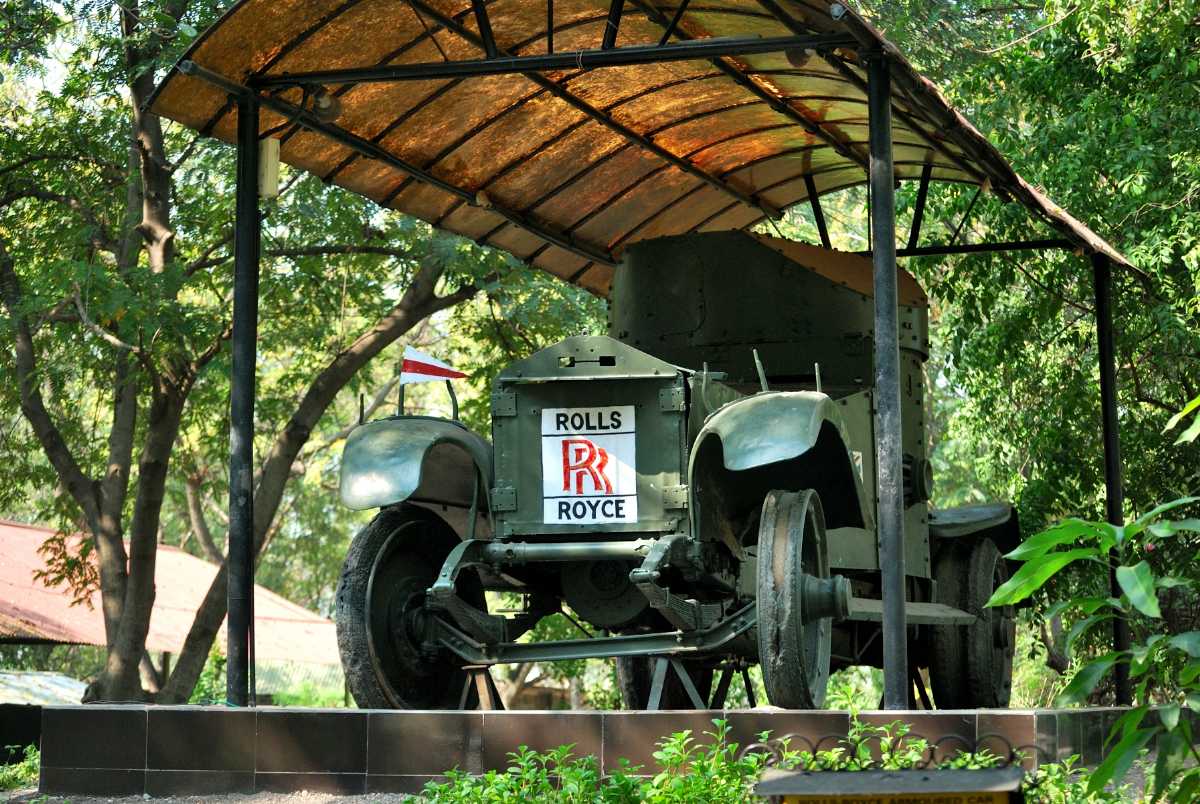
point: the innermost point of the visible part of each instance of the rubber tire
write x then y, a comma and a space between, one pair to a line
785, 642
947, 655
634, 674
989, 665
409, 681
967, 669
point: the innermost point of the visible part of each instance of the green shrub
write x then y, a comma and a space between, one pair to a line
210, 687
21, 774
716, 772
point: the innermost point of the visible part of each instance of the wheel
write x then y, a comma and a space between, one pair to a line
390, 565
971, 666
635, 674
795, 600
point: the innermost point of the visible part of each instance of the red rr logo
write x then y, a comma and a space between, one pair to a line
582, 457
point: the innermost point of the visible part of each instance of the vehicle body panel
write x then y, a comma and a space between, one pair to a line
417, 458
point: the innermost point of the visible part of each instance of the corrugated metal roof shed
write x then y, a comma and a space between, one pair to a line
32, 612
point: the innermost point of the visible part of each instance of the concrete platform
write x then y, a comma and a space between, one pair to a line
189, 750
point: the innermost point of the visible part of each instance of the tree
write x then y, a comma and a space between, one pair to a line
115, 239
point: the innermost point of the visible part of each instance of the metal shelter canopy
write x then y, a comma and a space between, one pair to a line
563, 131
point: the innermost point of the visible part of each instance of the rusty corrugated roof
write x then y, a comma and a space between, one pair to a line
31, 611
598, 158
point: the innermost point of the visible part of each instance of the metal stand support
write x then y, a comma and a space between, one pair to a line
239, 680
750, 700
479, 677
889, 446
659, 680
1114, 491
723, 681
922, 694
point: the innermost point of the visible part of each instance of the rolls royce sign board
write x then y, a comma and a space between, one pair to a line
589, 472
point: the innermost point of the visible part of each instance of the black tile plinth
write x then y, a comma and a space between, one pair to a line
415, 742
635, 735
311, 741
92, 782
94, 736
343, 784
198, 782
206, 738
408, 785
200, 751
506, 732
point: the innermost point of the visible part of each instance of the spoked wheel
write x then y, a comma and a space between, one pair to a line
390, 564
971, 666
636, 673
796, 599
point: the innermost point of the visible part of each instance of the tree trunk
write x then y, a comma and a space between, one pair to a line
418, 302
120, 679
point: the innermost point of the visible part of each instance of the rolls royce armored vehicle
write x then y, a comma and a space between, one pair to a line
697, 487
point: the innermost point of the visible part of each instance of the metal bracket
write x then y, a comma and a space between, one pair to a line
675, 497
504, 403
504, 498
671, 400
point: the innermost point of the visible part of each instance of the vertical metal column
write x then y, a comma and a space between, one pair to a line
1114, 490
888, 444
240, 563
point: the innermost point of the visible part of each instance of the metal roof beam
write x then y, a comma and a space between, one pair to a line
612, 25
371, 150
844, 70
822, 42
485, 28
983, 248
818, 214
908, 119
914, 232
504, 63
651, 54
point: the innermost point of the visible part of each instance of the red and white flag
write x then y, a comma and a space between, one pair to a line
420, 367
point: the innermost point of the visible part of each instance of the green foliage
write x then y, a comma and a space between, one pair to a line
21, 774
210, 688
717, 771
1065, 783
556, 777
308, 694
1165, 669
852, 689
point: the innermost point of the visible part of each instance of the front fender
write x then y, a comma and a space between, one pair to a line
413, 457
776, 427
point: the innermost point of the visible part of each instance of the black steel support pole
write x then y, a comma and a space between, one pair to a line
241, 410
1114, 489
888, 444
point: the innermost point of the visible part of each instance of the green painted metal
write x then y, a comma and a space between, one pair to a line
589, 373
412, 457
668, 413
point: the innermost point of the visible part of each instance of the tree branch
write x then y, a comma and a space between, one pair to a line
80, 486
99, 331
303, 251
100, 238
198, 522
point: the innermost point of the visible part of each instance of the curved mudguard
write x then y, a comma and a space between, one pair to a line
413, 457
772, 427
